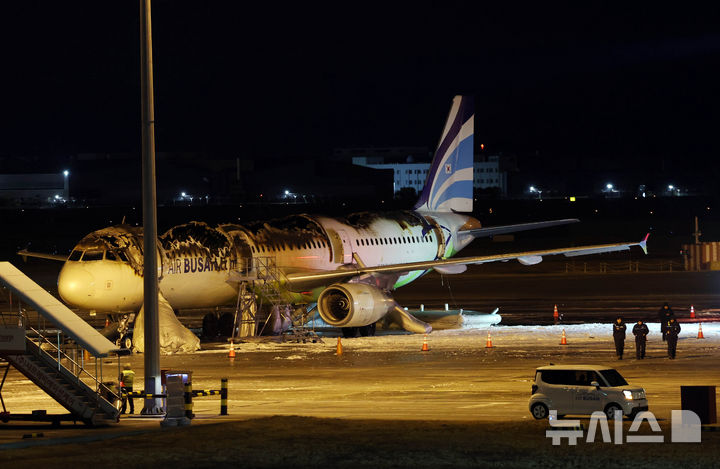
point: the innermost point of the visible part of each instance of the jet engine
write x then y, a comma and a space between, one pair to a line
353, 304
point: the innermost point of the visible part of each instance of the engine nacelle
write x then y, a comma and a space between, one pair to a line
530, 260
353, 304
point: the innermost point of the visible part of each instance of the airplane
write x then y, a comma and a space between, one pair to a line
347, 267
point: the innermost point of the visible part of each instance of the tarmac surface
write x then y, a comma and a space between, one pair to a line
379, 383
383, 402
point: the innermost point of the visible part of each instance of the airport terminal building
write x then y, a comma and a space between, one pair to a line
488, 173
33, 189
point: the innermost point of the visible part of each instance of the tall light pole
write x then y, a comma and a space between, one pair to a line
66, 185
150, 271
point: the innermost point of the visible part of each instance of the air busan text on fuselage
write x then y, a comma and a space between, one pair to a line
349, 266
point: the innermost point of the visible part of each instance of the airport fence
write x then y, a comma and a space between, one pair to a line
663, 265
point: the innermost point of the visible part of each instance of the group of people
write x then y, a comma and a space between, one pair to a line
669, 328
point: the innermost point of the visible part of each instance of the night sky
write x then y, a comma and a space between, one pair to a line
255, 79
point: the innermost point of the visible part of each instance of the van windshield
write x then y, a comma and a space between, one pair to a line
613, 378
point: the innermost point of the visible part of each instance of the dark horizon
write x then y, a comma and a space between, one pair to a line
291, 81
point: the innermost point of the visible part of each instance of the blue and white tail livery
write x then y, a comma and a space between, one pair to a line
449, 186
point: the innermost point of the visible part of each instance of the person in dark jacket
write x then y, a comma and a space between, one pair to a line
671, 331
619, 329
664, 315
640, 331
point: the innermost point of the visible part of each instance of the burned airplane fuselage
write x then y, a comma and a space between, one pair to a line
199, 265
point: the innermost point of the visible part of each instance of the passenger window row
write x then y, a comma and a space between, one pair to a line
276, 247
394, 240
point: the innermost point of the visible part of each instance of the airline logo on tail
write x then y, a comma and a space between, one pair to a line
452, 190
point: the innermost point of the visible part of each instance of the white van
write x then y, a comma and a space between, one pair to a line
583, 389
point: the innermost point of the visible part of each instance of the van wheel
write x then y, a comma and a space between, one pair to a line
539, 411
610, 410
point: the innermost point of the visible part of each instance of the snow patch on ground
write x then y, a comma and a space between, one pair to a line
470, 338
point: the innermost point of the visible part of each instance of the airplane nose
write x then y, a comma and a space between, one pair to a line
76, 285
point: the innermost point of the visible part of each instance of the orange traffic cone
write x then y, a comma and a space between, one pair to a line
339, 347
692, 312
489, 341
556, 315
700, 334
425, 347
232, 349
563, 340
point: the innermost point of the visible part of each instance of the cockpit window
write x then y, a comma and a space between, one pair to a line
93, 256
75, 255
109, 255
121, 255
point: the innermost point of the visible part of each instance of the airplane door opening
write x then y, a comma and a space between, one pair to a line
347, 250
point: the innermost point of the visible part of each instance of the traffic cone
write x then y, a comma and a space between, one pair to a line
489, 341
556, 315
563, 340
700, 334
425, 347
692, 312
232, 349
339, 347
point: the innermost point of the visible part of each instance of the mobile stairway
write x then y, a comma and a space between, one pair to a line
44, 361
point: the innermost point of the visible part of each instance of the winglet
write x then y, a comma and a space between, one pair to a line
643, 243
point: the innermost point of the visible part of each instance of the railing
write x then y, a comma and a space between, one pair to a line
272, 277
623, 266
100, 388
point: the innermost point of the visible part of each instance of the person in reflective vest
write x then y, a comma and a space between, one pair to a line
127, 376
640, 330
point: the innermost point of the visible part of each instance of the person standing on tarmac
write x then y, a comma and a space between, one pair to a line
619, 328
672, 330
664, 315
127, 376
640, 330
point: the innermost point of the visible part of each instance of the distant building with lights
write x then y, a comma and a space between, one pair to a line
488, 173
34, 189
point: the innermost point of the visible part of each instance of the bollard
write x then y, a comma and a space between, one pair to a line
188, 400
223, 396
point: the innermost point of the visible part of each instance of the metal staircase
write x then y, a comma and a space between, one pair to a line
44, 361
84, 396
263, 284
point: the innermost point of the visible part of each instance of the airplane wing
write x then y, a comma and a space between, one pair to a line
53, 257
305, 280
497, 230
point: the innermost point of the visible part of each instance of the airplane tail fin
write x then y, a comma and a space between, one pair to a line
449, 185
